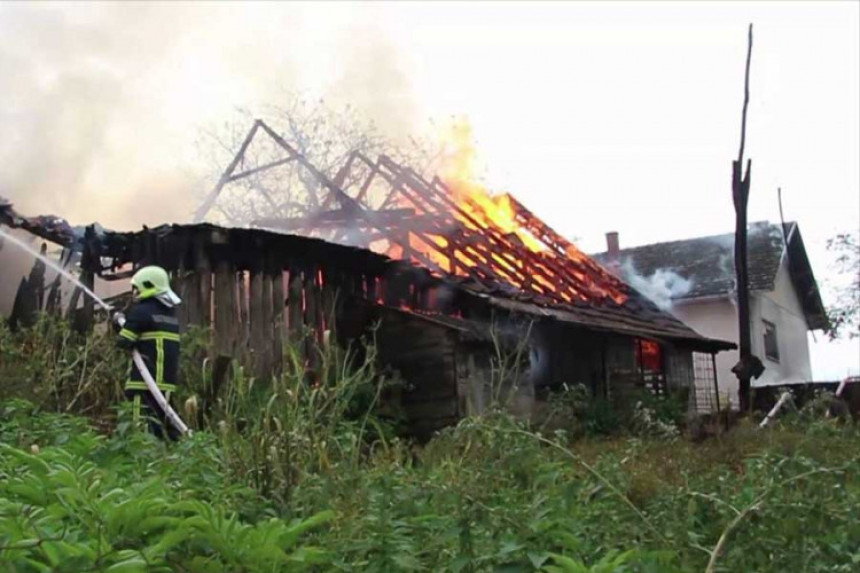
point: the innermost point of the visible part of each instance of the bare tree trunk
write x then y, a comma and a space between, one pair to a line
749, 366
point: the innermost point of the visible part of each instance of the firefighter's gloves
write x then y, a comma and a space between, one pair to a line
117, 320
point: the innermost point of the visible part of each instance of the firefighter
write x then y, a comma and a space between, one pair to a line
152, 328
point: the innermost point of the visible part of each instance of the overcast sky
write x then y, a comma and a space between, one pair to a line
599, 117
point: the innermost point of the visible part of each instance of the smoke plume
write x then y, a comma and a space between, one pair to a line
102, 102
661, 287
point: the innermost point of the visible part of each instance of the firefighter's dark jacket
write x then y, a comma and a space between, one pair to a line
153, 329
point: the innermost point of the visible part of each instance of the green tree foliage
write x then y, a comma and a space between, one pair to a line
844, 312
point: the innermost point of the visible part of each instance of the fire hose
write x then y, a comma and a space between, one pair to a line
6, 210
158, 395
160, 399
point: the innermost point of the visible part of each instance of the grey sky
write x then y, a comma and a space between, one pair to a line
599, 117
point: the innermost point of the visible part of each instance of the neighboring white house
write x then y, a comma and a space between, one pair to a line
695, 279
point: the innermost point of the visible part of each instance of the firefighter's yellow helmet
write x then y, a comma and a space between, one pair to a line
152, 281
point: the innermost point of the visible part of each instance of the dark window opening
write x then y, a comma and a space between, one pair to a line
771, 345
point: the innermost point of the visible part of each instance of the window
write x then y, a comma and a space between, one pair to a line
648, 355
771, 345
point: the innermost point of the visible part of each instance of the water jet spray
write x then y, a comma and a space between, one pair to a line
135, 355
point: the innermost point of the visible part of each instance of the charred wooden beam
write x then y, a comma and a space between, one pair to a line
340, 179
225, 177
261, 168
559, 244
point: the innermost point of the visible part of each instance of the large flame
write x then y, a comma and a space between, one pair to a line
459, 171
471, 205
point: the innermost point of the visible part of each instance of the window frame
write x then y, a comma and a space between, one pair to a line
770, 326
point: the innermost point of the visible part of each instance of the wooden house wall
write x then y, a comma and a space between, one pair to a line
423, 354
679, 368
622, 372
474, 378
254, 292
565, 355
482, 384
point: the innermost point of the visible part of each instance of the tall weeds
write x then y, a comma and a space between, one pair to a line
287, 474
61, 370
277, 432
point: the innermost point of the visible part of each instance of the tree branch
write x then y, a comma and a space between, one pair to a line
746, 96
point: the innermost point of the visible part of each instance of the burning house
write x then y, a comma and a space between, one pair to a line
443, 274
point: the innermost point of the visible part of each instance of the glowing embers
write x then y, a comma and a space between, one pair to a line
465, 230
493, 238
648, 355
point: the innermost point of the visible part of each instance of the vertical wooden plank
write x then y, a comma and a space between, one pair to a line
37, 278
21, 305
244, 325
416, 296
337, 292
89, 260
191, 299
278, 321
311, 308
54, 304
225, 322
181, 280
716, 383
268, 325
370, 286
180, 286
312, 321
295, 305
257, 339
327, 298
604, 371
203, 271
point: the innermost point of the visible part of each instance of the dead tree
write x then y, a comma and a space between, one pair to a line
748, 366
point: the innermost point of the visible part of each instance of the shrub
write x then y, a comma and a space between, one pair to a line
288, 474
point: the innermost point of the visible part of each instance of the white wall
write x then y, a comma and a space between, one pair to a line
782, 308
715, 318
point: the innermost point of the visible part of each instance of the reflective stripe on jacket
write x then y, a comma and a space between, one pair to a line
153, 330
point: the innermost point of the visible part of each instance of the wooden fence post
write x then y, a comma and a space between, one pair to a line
277, 279
295, 305
267, 323
203, 271
257, 314
89, 263
225, 320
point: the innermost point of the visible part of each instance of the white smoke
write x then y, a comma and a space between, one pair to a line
661, 287
103, 101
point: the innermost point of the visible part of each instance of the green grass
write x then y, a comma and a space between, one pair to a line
283, 476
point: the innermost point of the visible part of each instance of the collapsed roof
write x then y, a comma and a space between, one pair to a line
524, 267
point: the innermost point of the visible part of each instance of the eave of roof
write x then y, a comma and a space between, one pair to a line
804, 282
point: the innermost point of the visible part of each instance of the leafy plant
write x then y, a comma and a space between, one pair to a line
298, 474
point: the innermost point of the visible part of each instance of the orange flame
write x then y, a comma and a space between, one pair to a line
547, 271
459, 172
